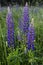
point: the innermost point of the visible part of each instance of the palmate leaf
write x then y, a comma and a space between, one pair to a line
13, 58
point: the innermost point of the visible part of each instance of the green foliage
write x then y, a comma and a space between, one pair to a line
20, 56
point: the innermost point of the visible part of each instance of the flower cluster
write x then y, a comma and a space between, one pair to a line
28, 29
25, 18
30, 37
10, 28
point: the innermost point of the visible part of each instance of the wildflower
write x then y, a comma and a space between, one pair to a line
25, 18
10, 28
31, 36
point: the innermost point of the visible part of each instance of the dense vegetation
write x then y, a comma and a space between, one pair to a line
19, 56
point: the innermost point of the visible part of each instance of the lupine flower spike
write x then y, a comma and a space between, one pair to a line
25, 18
31, 36
10, 28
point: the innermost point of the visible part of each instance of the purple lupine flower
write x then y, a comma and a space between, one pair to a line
30, 37
10, 28
25, 18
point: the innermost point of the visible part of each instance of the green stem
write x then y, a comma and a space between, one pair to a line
3, 46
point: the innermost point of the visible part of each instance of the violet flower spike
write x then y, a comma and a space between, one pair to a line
31, 37
10, 29
25, 18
